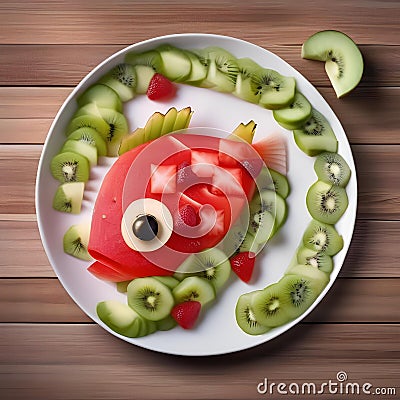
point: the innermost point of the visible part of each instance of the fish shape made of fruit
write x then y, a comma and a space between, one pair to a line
172, 197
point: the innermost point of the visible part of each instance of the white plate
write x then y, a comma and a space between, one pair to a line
217, 332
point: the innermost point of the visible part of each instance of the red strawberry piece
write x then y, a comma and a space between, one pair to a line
187, 214
186, 313
242, 265
160, 88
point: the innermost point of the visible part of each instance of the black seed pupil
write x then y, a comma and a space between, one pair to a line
145, 227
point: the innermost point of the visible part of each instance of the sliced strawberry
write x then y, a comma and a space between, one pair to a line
242, 265
186, 313
160, 88
187, 214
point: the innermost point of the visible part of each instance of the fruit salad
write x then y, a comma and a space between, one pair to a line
180, 211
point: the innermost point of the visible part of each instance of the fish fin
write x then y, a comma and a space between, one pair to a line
272, 150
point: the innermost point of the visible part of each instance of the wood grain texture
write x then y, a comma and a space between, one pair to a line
27, 113
350, 301
96, 22
67, 65
102, 366
373, 252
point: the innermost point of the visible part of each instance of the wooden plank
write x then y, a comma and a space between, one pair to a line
373, 251
377, 165
27, 112
99, 22
82, 361
349, 301
67, 65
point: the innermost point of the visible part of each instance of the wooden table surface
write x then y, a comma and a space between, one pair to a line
49, 349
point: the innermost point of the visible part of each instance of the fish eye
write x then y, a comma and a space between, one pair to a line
146, 225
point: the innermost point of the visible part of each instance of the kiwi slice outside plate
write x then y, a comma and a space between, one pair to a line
150, 298
344, 63
326, 202
245, 316
295, 114
332, 168
75, 241
322, 238
68, 197
316, 135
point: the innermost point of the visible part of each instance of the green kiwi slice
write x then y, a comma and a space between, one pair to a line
88, 121
168, 281
279, 184
150, 298
194, 288
198, 71
68, 197
295, 114
102, 95
270, 306
245, 316
166, 323
82, 148
70, 167
243, 87
275, 90
92, 137
316, 135
326, 202
299, 293
322, 238
308, 271
176, 65
75, 241
122, 79
222, 69
216, 267
149, 58
144, 74
120, 318
315, 259
332, 168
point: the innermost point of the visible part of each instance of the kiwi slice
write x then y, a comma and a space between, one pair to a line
122, 287
149, 58
215, 265
315, 259
295, 115
299, 292
122, 79
88, 121
332, 168
275, 90
70, 167
243, 87
269, 306
316, 135
198, 71
245, 316
176, 65
82, 148
68, 197
279, 184
102, 95
343, 60
307, 271
322, 238
168, 281
75, 241
249, 244
194, 288
144, 74
222, 69
166, 323
120, 318
92, 137
326, 202
150, 298
261, 227
276, 205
